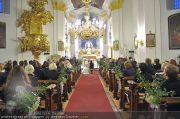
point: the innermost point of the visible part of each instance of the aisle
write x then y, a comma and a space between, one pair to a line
89, 96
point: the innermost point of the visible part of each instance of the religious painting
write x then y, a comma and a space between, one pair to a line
84, 43
150, 40
116, 45
60, 46
174, 31
2, 35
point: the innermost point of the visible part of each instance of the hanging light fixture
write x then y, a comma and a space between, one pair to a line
87, 30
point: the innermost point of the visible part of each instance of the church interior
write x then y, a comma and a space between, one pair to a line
90, 59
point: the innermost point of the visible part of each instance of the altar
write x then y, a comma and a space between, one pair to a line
89, 56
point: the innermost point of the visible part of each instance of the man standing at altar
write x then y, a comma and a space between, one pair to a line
91, 66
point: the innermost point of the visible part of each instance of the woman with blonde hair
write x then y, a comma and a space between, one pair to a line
128, 69
52, 72
30, 71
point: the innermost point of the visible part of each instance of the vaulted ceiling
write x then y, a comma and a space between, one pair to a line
95, 3
75, 9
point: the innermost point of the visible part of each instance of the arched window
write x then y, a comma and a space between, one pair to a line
173, 4
5, 6
1, 6
176, 4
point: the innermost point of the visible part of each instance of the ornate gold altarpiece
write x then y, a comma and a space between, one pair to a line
31, 23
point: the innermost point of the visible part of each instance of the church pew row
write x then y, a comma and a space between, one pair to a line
55, 94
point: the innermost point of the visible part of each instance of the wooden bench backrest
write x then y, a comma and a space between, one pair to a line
171, 100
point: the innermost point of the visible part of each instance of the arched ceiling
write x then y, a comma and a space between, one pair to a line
75, 9
95, 3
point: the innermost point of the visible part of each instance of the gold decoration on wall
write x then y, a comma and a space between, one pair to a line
70, 16
59, 5
31, 23
114, 5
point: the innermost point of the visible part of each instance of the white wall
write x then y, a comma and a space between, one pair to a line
138, 18
12, 50
152, 24
135, 16
166, 52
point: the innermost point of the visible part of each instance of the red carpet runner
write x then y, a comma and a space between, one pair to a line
89, 96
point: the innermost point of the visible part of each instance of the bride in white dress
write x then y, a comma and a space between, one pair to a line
86, 68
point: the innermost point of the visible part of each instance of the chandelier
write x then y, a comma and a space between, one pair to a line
87, 30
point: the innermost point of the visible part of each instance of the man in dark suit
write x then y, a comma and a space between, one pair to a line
91, 66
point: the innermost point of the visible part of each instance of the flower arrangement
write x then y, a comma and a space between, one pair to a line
105, 64
153, 90
118, 72
55, 57
61, 78
77, 65
25, 102
42, 88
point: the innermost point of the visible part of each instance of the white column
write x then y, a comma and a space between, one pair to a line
60, 32
139, 29
152, 23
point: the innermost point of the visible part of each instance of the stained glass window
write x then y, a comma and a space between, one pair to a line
1, 6
176, 4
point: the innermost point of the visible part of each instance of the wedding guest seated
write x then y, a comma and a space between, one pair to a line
157, 65
30, 71
4, 75
150, 68
15, 63
21, 63
143, 69
52, 73
38, 70
134, 64
25, 63
172, 61
161, 72
45, 69
1, 68
17, 82
128, 69
172, 83
68, 66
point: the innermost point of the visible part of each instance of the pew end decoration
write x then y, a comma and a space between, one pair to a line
31, 23
118, 72
77, 65
153, 90
42, 89
105, 64
25, 103
62, 77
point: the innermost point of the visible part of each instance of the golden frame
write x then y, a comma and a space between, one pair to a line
116, 45
60, 46
150, 40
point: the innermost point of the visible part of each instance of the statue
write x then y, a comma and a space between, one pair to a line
88, 47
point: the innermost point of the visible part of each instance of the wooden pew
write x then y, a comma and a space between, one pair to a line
115, 86
124, 88
170, 101
111, 80
51, 95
